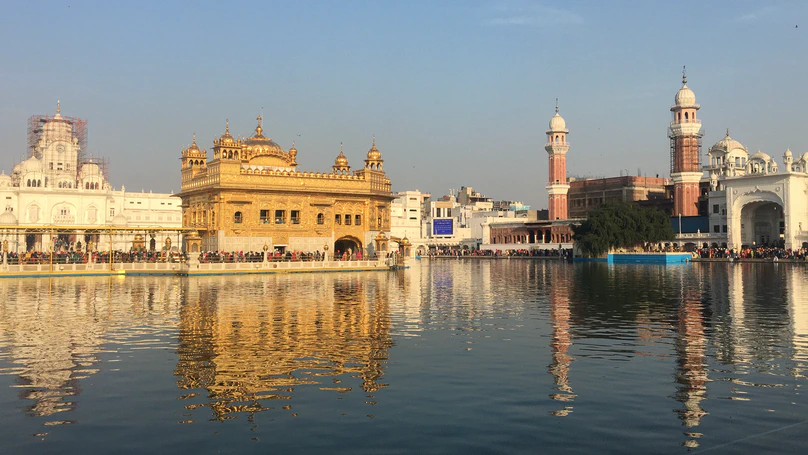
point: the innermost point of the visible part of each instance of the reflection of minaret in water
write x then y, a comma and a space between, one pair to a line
560, 343
691, 375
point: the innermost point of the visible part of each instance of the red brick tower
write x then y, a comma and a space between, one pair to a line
557, 186
685, 136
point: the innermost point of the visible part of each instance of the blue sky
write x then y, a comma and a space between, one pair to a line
457, 93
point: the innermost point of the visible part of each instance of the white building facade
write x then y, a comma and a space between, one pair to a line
54, 189
752, 200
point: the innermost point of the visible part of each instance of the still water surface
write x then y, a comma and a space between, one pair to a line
507, 356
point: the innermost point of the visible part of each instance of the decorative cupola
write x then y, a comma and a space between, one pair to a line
226, 147
193, 156
374, 159
341, 163
788, 160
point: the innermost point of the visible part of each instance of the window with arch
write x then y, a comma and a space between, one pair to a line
320, 218
338, 219
237, 218
358, 220
686, 116
347, 219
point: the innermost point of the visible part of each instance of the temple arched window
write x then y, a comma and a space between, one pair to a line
237, 218
320, 218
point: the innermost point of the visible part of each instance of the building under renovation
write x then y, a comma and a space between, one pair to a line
60, 198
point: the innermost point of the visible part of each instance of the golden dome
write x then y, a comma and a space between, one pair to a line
260, 144
194, 147
341, 160
226, 138
374, 154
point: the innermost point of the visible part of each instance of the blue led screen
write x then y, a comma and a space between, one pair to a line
442, 227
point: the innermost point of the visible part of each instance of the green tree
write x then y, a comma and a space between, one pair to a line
613, 226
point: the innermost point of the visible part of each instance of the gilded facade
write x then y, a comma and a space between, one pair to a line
251, 197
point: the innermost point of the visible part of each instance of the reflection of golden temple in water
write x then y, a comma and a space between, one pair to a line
52, 332
560, 340
255, 340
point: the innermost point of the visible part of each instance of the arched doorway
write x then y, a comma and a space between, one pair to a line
349, 246
762, 224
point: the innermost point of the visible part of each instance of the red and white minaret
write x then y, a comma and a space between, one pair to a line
685, 136
557, 186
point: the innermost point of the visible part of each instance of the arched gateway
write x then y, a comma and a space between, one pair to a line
349, 244
759, 218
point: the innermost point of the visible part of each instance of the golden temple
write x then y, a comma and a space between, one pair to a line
251, 197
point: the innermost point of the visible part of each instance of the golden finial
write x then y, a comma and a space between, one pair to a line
374, 140
556, 105
727, 132
58, 106
227, 125
293, 144
684, 74
194, 137
258, 128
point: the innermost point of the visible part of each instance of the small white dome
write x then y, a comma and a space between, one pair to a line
685, 97
788, 154
760, 156
557, 123
7, 218
727, 145
32, 164
119, 220
89, 169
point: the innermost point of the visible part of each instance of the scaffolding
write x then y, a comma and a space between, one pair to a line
79, 131
697, 165
101, 162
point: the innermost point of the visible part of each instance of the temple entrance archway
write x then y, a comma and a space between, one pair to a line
347, 244
762, 224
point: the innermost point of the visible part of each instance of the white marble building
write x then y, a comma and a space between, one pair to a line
753, 201
55, 189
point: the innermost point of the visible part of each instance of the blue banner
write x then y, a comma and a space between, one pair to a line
443, 227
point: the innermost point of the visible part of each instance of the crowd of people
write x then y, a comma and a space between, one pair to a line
466, 252
80, 257
277, 256
759, 252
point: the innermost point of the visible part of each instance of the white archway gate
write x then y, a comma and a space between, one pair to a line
757, 218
